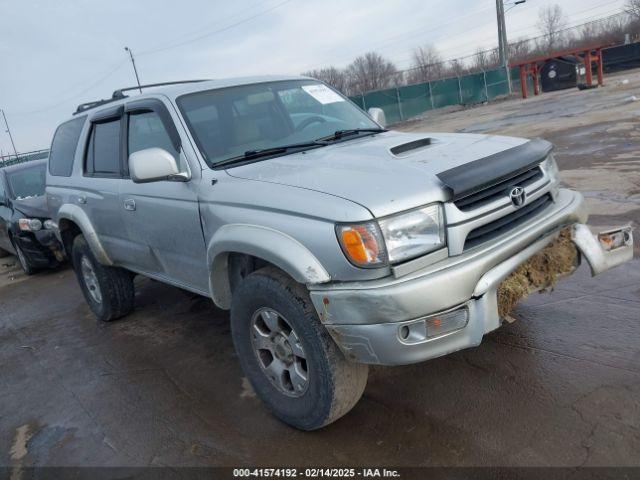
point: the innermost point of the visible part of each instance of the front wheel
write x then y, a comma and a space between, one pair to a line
24, 261
109, 291
286, 353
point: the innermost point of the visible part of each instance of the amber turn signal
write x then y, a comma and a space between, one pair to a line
362, 244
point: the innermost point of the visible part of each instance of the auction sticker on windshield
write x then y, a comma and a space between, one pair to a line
322, 93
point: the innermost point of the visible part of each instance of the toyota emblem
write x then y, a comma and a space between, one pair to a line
517, 196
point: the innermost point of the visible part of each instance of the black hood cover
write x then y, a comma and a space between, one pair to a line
475, 176
32, 207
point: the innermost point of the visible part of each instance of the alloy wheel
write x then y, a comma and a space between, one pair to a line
90, 279
279, 352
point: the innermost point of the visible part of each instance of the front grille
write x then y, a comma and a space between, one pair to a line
508, 222
499, 190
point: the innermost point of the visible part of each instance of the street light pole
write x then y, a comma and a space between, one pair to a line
9, 132
135, 70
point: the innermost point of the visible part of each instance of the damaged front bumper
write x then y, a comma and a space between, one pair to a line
392, 321
42, 248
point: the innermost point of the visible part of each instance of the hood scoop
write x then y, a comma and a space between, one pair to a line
406, 148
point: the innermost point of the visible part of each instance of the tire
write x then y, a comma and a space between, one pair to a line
23, 260
333, 385
109, 291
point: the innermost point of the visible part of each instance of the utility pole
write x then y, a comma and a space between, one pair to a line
503, 45
502, 42
135, 70
9, 132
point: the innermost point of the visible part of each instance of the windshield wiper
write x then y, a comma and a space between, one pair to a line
264, 152
338, 134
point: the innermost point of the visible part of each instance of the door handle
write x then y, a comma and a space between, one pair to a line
130, 204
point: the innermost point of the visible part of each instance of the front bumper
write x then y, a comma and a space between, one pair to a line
41, 248
366, 319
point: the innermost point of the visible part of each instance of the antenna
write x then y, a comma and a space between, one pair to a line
9, 132
135, 70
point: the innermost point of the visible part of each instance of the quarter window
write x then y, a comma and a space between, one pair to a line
63, 147
103, 152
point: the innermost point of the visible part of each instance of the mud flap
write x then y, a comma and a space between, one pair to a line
606, 250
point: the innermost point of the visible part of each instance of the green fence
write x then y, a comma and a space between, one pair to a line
403, 103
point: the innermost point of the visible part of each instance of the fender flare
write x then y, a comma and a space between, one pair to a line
273, 246
76, 215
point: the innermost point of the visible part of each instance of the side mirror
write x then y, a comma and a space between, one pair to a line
154, 165
377, 115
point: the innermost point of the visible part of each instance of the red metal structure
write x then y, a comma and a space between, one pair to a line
587, 55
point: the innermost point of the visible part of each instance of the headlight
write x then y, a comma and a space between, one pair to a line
409, 235
550, 167
29, 224
362, 244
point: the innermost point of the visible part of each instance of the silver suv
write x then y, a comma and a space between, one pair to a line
334, 242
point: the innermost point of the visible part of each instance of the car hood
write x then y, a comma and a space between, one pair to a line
368, 172
33, 207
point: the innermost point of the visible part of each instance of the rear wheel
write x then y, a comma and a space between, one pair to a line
293, 364
109, 291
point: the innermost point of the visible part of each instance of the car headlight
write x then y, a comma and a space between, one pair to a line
550, 167
30, 224
393, 239
409, 235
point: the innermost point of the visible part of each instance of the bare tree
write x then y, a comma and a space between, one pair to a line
331, 75
371, 72
551, 22
427, 65
633, 7
456, 68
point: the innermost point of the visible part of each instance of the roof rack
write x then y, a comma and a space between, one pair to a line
119, 94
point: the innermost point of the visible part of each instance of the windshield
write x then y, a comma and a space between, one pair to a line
28, 181
226, 123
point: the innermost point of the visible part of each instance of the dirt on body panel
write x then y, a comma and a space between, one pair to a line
539, 273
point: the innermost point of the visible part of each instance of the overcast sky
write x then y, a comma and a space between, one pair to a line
56, 54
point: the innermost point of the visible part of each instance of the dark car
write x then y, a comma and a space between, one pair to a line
25, 228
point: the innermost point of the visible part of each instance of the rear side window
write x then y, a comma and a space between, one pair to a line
103, 151
63, 148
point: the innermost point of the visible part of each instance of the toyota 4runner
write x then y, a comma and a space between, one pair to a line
334, 243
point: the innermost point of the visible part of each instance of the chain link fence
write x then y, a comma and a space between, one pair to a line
403, 103
7, 160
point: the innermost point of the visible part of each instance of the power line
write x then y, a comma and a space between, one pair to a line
382, 47
448, 60
118, 65
611, 13
405, 35
214, 32
79, 94
208, 26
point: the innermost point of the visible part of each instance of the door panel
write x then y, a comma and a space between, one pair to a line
162, 219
